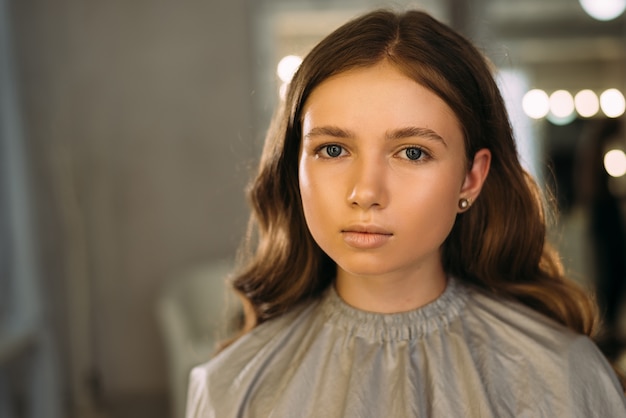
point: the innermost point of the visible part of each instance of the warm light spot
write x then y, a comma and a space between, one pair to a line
287, 67
561, 104
612, 103
615, 163
536, 104
603, 9
587, 103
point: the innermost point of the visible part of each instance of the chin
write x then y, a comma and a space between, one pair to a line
367, 269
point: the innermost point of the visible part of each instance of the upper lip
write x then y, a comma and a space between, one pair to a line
367, 229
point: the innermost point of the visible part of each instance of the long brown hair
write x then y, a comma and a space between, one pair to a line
499, 245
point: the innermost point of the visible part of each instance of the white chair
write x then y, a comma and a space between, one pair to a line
194, 312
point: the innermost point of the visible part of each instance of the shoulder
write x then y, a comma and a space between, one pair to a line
509, 324
592, 379
557, 365
223, 385
509, 320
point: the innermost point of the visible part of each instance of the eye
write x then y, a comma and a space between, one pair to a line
413, 153
331, 151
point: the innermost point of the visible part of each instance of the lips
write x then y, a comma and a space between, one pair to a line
366, 236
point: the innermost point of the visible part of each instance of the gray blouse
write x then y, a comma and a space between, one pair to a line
467, 354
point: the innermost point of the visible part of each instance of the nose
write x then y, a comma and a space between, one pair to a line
368, 188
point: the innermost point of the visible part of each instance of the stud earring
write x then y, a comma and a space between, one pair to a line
464, 203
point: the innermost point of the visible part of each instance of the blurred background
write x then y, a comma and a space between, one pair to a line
128, 132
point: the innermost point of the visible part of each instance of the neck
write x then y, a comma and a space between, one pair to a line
391, 292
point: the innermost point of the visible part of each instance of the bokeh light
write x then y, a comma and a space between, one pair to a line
287, 67
561, 104
536, 104
612, 103
603, 9
615, 163
587, 103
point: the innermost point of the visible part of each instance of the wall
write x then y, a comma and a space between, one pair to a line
138, 124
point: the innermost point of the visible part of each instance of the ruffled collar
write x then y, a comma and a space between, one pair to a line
407, 325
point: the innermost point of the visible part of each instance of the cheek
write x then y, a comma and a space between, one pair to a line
431, 206
321, 202
314, 216
305, 184
310, 196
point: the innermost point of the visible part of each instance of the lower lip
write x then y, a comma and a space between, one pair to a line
363, 240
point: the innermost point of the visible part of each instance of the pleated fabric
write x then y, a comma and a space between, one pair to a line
467, 354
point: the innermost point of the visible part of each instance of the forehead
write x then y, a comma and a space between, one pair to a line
378, 98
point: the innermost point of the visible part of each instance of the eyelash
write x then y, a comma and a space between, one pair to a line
323, 149
424, 155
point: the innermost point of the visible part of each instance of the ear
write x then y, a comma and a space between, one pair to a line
475, 177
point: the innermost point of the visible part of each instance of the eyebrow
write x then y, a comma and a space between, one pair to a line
414, 131
396, 134
332, 131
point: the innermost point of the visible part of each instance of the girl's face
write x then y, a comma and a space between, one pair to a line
382, 167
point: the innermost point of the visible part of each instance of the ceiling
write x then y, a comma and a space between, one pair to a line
554, 41
559, 44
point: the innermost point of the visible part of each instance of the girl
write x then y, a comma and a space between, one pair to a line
400, 267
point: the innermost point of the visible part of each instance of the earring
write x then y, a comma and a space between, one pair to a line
464, 203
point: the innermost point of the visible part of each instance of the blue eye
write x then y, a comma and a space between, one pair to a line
413, 153
333, 150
